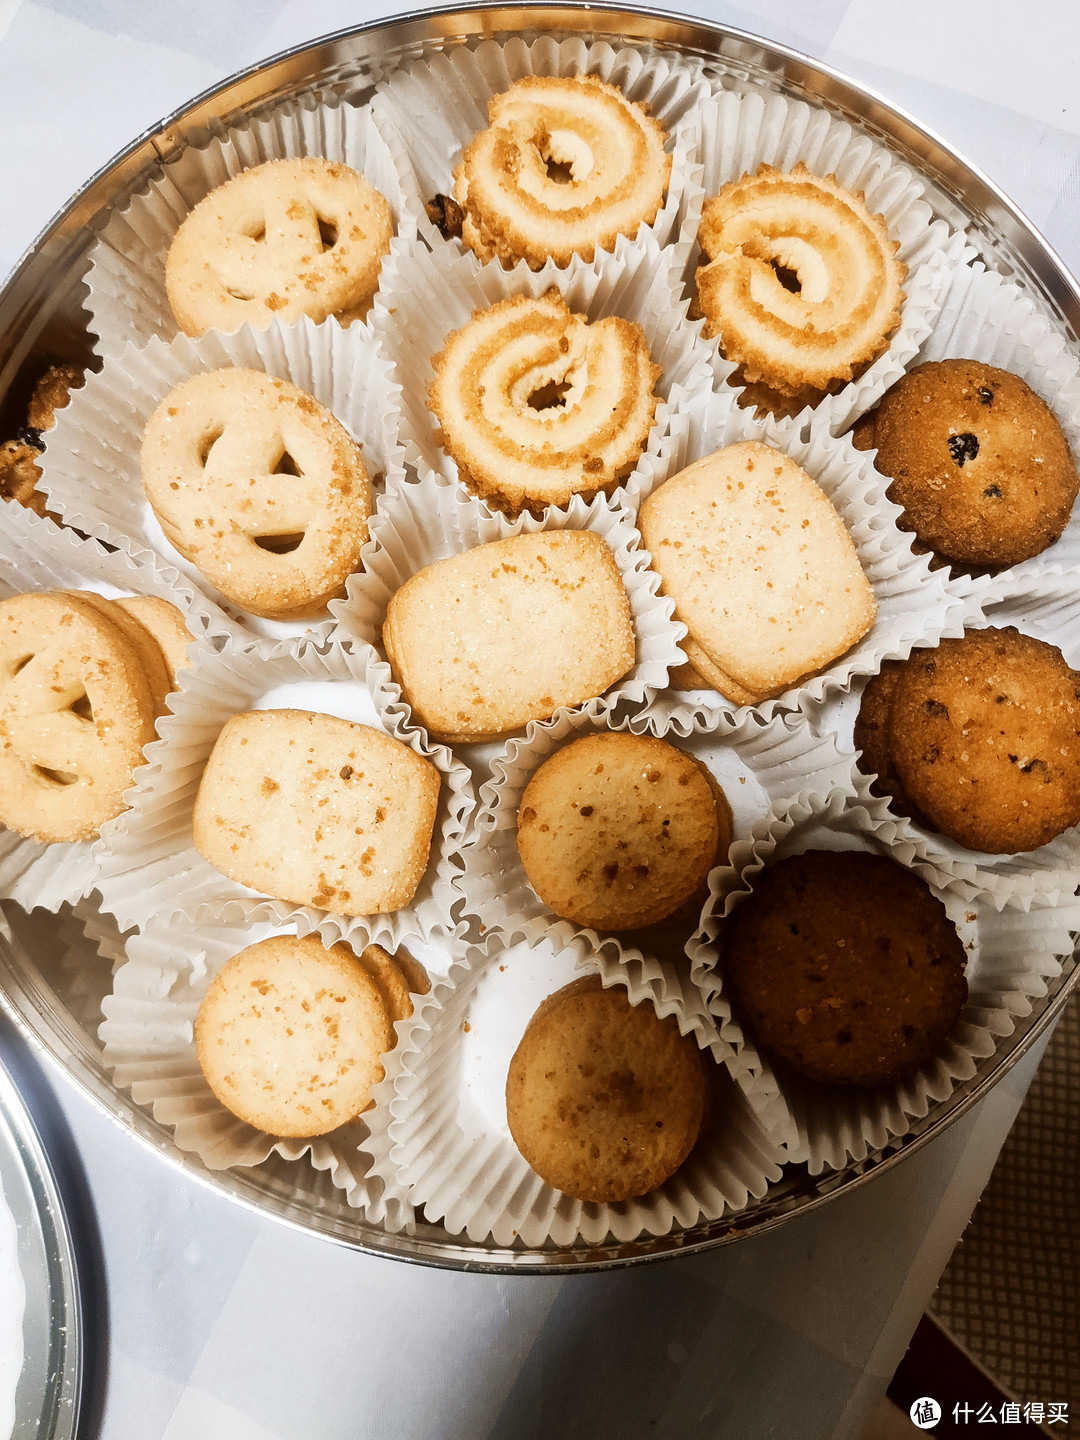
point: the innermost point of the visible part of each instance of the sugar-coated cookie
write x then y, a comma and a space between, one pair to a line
617, 831
761, 568
290, 1036
390, 981
317, 810
509, 632
603, 1098
284, 239
846, 966
166, 624
261, 487
977, 460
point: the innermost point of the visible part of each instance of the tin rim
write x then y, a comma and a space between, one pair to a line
40, 314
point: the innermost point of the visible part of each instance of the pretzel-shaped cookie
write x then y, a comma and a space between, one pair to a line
261, 487
538, 405
76, 710
288, 238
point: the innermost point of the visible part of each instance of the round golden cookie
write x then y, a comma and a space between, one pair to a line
984, 733
617, 831
977, 460
290, 1035
567, 165
603, 1098
390, 980
537, 404
142, 643
166, 624
76, 710
261, 487
846, 966
285, 239
802, 286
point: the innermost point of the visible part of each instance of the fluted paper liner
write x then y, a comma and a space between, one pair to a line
91, 468
1011, 953
438, 105
988, 318
36, 554
741, 132
426, 297
1048, 608
148, 1038
451, 1147
913, 601
433, 519
149, 866
127, 300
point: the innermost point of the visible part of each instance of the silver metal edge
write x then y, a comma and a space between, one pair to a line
61, 1402
66, 239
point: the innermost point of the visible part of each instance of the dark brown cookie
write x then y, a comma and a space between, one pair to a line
984, 732
977, 461
872, 734
846, 966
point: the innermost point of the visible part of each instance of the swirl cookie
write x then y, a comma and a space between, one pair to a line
801, 286
317, 811
566, 165
76, 710
537, 405
259, 486
290, 1036
977, 461
762, 570
618, 831
505, 633
846, 966
288, 238
603, 1098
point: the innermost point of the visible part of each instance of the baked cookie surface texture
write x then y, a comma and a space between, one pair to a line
846, 966
508, 632
318, 811
566, 165
537, 404
617, 831
288, 238
761, 568
603, 1098
259, 486
802, 286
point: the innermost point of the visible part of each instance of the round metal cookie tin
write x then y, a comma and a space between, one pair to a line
41, 315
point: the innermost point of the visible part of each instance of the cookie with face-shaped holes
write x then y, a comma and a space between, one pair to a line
76, 709
288, 238
261, 487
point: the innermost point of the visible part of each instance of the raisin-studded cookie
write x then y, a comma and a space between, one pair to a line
261, 487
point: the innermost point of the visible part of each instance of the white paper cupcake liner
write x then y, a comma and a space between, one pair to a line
149, 866
433, 519
127, 300
450, 1144
148, 1038
913, 601
426, 297
1047, 607
91, 466
741, 132
35, 554
437, 106
1010, 956
988, 318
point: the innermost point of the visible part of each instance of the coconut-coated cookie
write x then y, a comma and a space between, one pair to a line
846, 966
977, 460
617, 831
603, 1098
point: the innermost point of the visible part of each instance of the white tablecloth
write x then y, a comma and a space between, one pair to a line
222, 1326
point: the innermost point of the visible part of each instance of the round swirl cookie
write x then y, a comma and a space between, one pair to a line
259, 486
288, 238
802, 286
538, 405
566, 165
